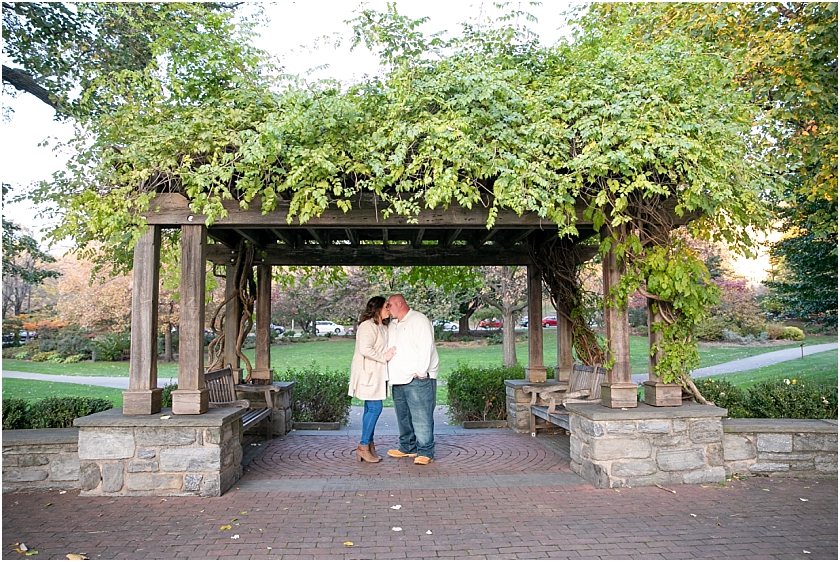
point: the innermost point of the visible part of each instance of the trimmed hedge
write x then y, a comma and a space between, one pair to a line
55, 412
478, 393
783, 399
320, 396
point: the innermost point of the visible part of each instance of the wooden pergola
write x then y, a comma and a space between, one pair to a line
361, 236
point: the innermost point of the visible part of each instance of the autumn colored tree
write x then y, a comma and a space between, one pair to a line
100, 303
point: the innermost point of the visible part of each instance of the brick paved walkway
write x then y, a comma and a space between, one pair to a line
490, 495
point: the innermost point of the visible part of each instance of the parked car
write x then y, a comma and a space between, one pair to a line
488, 324
445, 325
524, 322
276, 328
324, 327
549, 321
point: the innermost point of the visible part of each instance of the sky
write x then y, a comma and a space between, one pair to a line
301, 34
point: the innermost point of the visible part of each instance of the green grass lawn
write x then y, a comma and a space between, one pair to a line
819, 368
38, 390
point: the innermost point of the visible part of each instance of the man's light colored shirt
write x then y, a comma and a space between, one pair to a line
416, 354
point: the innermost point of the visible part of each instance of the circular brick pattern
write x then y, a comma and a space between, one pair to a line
315, 456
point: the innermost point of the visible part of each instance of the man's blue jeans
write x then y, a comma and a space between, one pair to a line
371, 414
414, 405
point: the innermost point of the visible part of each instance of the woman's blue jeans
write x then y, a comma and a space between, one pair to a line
414, 405
372, 410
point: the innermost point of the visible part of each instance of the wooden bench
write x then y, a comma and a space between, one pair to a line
584, 386
223, 395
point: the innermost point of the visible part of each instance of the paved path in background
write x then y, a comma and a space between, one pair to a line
746, 364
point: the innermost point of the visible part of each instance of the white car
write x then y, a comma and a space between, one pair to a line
324, 327
446, 326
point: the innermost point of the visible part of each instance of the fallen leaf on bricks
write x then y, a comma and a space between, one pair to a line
164, 417
235, 537
225, 528
806, 552
692, 514
31, 552
766, 489
398, 506
232, 520
243, 513
65, 491
77, 557
719, 525
21, 547
428, 532
49, 504
163, 500
396, 528
802, 499
268, 547
348, 543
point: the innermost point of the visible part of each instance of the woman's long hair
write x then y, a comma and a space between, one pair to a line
374, 305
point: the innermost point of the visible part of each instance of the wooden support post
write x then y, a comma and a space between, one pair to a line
143, 397
262, 372
565, 359
619, 390
233, 312
191, 396
536, 371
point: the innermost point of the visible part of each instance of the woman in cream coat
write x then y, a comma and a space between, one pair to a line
368, 372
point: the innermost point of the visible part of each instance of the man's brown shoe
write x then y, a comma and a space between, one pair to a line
422, 460
397, 454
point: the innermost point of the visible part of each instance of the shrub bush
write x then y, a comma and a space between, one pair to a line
166, 397
71, 341
110, 346
710, 329
478, 393
793, 333
775, 330
725, 395
786, 398
495, 339
52, 412
441, 335
319, 396
791, 399
14, 413
42, 356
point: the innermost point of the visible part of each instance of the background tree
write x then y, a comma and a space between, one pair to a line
99, 303
59, 52
306, 295
24, 266
506, 290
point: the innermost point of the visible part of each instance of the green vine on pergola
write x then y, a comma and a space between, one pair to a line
489, 117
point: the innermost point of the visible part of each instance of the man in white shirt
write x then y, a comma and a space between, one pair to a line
412, 373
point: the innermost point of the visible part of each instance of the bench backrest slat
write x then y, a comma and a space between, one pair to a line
220, 385
585, 377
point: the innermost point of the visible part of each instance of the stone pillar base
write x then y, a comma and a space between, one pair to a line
619, 395
661, 394
518, 406
646, 446
142, 402
190, 402
159, 455
536, 374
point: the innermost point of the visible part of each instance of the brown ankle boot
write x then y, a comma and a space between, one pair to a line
372, 449
363, 454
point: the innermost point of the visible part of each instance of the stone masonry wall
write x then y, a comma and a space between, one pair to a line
161, 454
780, 447
40, 459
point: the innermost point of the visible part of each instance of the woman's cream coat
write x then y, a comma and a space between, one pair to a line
368, 371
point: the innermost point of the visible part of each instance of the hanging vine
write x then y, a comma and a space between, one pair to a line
246, 289
663, 268
560, 260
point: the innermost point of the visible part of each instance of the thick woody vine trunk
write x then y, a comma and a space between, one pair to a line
508, 339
